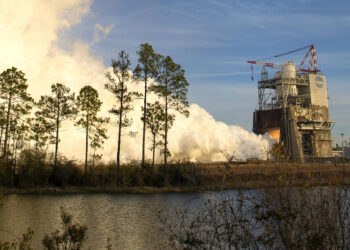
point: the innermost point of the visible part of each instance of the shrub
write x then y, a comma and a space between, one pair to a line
72, 235
33, 168
6, 173
22, 243
67, 173
184, 173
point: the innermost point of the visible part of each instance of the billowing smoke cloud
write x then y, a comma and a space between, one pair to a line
30, 38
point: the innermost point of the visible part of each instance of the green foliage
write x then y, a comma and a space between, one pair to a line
13, 84
60, 106
89, 105
148, 63
172, 85
40, 131
118, 82
72, 235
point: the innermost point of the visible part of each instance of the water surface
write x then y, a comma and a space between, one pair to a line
129, 220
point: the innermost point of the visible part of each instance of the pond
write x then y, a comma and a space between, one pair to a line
129, 220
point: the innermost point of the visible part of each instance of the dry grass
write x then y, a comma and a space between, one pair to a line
260, 174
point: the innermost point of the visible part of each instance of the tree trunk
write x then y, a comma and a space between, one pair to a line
8, 145
86, 143
93, 158
7, 126
154, 149
120, 125
14, 157
144, 124
13, 146
166, 135
57, 136
1, 133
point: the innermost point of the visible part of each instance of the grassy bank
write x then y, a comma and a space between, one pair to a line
183, 177
260, 174
104, 190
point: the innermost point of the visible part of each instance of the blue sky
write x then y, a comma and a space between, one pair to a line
213, 39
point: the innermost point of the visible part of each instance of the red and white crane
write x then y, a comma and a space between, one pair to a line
312, 61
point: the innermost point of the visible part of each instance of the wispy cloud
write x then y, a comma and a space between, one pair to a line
101, 33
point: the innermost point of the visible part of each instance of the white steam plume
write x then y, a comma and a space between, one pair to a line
29, 41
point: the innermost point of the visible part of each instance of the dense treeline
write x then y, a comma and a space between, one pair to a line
35, 170
28, 127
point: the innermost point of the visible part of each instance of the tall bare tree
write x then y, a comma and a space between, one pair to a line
56, 108
118, 81
172, 88
144, 71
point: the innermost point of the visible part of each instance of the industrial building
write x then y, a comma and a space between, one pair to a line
293, 107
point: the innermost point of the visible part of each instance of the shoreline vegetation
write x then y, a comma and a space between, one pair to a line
183, 177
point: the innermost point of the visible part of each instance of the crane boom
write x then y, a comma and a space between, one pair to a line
312, 61
271, 65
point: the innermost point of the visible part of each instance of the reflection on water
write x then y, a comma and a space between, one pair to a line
130, 221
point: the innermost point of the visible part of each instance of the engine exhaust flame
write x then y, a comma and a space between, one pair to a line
274, 134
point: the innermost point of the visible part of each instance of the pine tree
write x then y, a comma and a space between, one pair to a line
89, 104
144, 71
13, 90
118, 82
172, 88
56, 108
